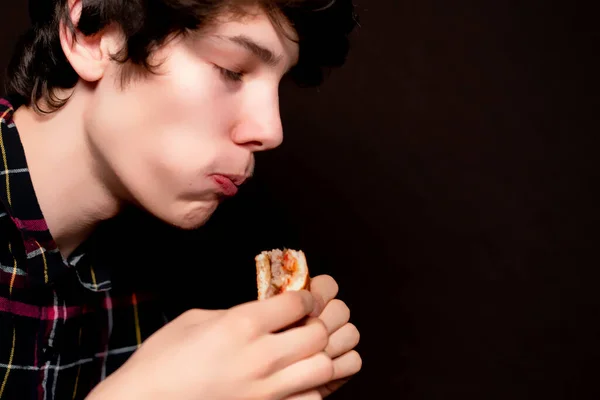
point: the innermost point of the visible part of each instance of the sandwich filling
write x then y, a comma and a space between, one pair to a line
286, 273
280, 271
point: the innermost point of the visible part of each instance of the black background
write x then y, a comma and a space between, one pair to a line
446, 178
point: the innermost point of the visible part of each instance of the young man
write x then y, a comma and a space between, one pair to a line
159, 104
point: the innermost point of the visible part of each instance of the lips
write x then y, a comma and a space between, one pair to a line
226, 184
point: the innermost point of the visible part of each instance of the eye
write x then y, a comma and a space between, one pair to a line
230, 75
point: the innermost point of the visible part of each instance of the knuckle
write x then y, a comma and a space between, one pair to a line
191, 314
332, 349
321, 335
189, 317
195, 315
243, 324
298, 303
325, 367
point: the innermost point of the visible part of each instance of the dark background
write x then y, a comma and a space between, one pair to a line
446, 178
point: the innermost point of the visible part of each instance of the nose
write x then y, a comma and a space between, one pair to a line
259, 127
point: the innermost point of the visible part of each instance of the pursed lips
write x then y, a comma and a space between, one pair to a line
229, 183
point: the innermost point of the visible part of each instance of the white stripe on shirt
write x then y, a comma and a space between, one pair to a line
129, 349
14, 171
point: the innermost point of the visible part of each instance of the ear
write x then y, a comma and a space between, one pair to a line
90, 56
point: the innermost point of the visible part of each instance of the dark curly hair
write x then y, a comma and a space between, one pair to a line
39, 65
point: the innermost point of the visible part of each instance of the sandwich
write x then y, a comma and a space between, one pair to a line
279, 271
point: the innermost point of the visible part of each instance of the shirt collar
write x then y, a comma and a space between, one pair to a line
44, 263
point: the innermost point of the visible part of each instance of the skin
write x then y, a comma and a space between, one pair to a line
159, 143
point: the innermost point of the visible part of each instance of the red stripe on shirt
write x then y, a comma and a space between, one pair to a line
49, 313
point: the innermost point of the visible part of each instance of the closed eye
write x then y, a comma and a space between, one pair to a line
229, 75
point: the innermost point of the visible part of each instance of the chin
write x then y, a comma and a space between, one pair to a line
195, 217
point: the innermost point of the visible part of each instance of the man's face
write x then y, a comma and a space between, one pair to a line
177, 142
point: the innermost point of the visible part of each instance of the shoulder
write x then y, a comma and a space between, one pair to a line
7, 107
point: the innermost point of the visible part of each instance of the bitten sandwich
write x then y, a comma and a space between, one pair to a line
278, 271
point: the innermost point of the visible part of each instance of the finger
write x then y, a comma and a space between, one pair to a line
324, 288
342, 341
281, 350
304, 375
346, 365
273, 314
335, 315
331, 387
311, 395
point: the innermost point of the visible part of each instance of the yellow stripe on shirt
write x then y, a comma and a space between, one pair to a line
10, 361
138, 334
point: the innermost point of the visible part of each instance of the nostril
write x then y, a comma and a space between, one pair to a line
255, 144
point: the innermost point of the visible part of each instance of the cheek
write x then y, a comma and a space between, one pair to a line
195, 113
168, 126
196, 94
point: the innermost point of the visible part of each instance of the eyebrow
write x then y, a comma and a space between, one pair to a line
265, 55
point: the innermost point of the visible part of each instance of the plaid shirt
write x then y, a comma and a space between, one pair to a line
64, 324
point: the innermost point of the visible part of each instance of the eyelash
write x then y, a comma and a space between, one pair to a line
230, 75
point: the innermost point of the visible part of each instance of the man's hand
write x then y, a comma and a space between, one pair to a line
343, 337
243, 353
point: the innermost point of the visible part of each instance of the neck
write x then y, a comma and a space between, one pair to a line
70, 183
